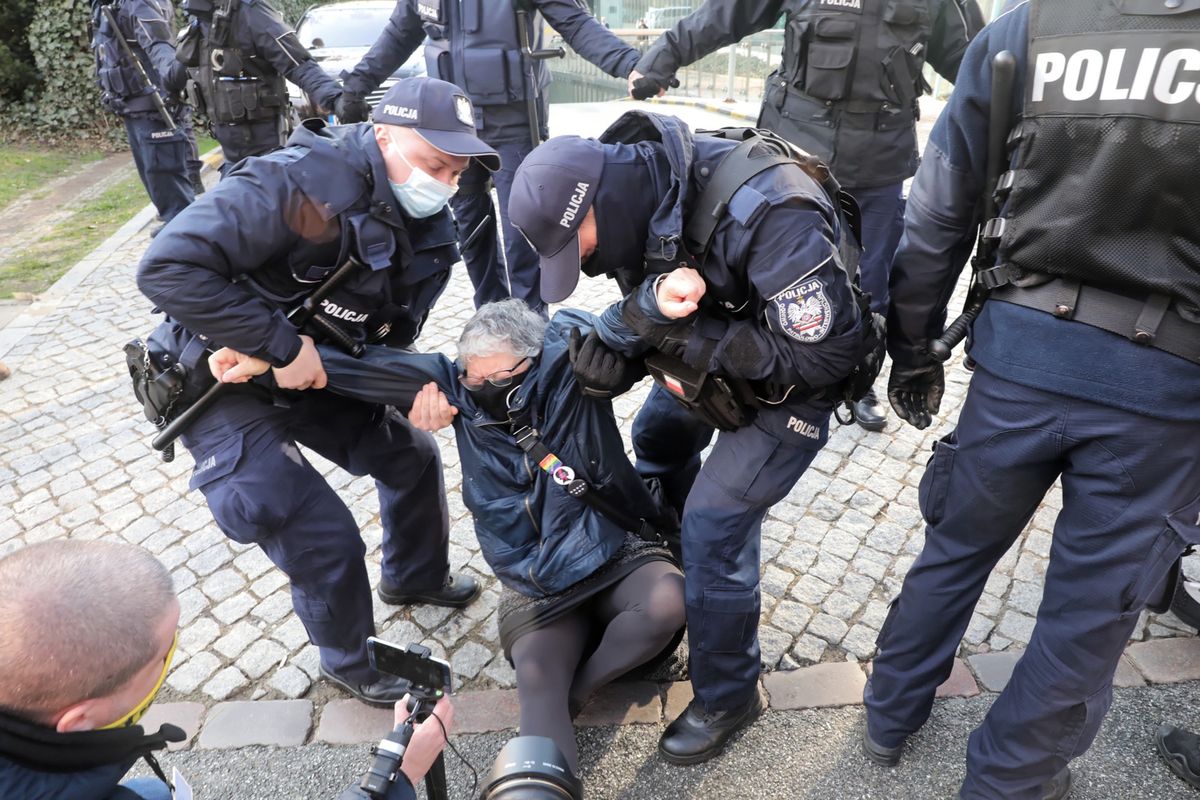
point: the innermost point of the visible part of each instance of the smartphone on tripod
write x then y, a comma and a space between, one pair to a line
429, 676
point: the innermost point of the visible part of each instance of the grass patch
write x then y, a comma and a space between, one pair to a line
24, 169
45, 261
204, 142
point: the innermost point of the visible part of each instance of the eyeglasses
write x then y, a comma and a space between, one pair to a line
500, 378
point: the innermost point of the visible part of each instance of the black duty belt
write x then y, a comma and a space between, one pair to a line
1148, 321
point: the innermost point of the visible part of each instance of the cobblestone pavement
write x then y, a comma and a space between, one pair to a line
75, 461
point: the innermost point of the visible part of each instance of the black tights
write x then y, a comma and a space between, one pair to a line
640, 614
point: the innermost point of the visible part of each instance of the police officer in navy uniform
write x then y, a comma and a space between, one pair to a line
847, 91
239, 52
476, 45
226, 272
161, 147
1088, 372
769, 308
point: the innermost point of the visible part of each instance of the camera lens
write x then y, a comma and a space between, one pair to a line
531, 768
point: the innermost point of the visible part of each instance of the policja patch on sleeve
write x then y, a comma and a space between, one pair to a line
804, 312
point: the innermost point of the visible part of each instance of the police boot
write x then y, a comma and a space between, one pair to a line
1181, 750
1058, 787
458, 591
697, 735
878, 754
383, 692
869, 413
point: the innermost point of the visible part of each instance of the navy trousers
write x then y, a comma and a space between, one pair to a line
262, 490
497, 272
747, 472
161, 156
241, 140
882, 223
1131, 504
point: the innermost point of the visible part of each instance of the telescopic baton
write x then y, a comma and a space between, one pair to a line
1004, 66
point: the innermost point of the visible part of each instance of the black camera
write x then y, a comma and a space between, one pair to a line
531, 768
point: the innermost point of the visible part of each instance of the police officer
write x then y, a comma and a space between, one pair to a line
476, 44
1088, 358
239, 52
769, 310
157, 131
225, 273
847, 92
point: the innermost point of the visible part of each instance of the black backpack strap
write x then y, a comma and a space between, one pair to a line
528, 440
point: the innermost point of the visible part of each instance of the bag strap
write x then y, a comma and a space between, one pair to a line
528, 440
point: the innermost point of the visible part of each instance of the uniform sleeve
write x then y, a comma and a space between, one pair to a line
809, 332
586, 36
246, 222
279, 45
153, 33
957, 23
940, 218
386, 375
715, 24
401, 37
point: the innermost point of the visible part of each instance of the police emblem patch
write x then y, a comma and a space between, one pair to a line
804, 311
463, 110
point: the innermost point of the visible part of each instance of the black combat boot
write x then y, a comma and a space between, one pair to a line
458, 591
383, 692
1181, 750
869, 413
697, 735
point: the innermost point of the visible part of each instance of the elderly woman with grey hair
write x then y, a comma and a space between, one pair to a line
563, 519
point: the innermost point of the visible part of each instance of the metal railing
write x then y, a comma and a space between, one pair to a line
734, 73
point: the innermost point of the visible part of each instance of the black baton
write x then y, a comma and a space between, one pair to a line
137, 63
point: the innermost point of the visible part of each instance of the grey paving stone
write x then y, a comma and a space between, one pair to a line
225, 683
831, 629
1167, 660
994, 669
470, 659
352, 722
187, 677
818, 686
290, 681
260, 658
773, 644
282, 723
860, 641
222, 584
236, 639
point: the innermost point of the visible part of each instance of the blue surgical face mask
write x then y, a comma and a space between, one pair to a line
422, 195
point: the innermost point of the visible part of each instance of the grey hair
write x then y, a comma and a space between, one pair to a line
78, 619
506, 326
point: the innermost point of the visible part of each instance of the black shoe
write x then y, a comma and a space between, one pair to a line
383, 693
869, 413
878, 754
1058, 787
697, 735
458, 591
1181, 750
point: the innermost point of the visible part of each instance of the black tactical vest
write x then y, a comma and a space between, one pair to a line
848, 88
122, 88
236, 85
475, 45
1105, 184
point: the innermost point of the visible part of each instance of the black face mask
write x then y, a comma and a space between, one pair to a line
493, 400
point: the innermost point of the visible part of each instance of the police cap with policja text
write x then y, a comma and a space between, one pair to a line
440, 113
552, 191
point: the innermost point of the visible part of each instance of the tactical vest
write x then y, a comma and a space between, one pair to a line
1111, 87
848, 87
235, 85
475, 45
122, 88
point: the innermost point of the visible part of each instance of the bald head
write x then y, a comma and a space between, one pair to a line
78, 620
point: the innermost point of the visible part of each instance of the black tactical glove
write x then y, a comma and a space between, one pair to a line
601, 371
645, 88
670, 338
916, 393
351, 108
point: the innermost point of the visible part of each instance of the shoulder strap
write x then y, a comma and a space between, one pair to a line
740, 165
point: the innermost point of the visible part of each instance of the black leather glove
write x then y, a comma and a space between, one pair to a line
351, 108
916, 393
645, 88
601, 371
670, 337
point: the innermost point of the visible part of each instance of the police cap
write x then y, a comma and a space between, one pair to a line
440, 113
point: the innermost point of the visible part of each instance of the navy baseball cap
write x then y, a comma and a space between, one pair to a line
552, 191
440, 112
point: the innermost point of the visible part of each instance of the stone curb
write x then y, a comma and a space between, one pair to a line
49, 301
346, 722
